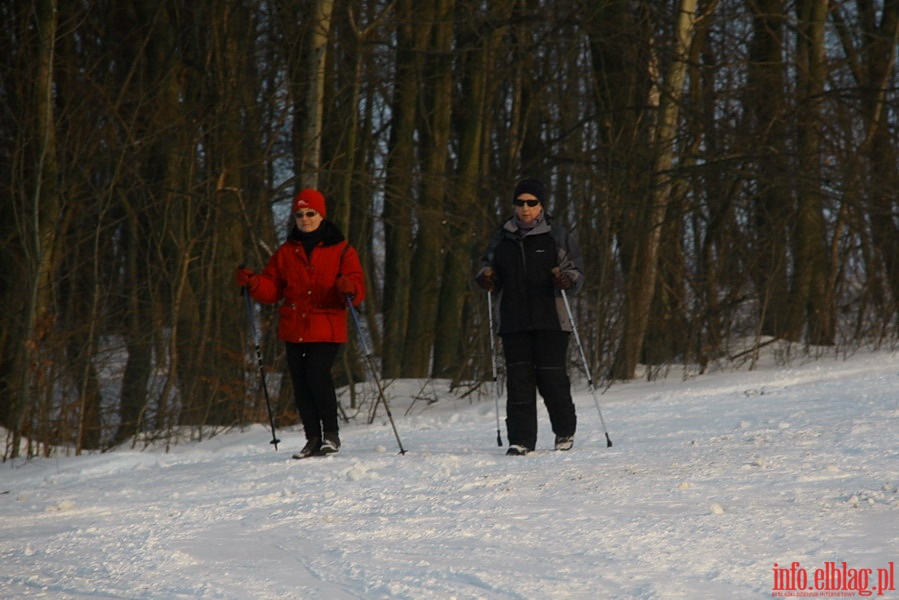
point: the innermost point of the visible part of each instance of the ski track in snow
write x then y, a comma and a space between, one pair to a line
709, 483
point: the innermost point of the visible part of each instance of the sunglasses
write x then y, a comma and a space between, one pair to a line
308, 214
531, 203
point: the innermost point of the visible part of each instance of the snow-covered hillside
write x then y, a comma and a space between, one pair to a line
730, 485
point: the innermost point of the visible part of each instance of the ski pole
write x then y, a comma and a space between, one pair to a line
268, 406
580, 348
499, 437
374, 374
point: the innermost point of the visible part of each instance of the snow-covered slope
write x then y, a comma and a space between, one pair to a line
711, 482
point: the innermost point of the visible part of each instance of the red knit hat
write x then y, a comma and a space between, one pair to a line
310, 198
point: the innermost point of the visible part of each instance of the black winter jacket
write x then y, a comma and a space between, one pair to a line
523, 260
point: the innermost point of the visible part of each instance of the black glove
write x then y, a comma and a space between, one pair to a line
486, 279
561, 281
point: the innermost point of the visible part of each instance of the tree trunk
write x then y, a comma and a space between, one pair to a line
41, 233
773, 203
399, 193
876, 66
621, 65
812, 305
642, 278
234, 142
313, 102
138, 330
431, 238
453, 350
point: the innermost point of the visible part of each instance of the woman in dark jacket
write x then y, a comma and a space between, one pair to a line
313, 272
527, 262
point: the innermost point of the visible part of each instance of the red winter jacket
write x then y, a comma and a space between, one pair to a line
313, 310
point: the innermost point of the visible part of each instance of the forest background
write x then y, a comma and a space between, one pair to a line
729, 168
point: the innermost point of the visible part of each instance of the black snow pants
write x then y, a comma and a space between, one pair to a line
535, 361
313, 387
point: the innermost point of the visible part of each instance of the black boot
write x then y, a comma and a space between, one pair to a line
517, 450
331, 443
312, 447
564, 442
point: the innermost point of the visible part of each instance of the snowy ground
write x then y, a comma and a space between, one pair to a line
710, 482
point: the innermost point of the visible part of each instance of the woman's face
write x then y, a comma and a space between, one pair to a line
307, 219
523, 209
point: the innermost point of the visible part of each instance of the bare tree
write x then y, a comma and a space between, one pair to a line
426, 270
37, 216
728, 166
812, 302
402, 173
482, 34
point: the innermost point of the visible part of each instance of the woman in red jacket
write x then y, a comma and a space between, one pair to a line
312, 273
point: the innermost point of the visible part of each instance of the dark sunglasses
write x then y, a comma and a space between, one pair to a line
308, 214
531, 203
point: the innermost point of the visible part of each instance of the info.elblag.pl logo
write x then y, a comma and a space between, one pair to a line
832, 580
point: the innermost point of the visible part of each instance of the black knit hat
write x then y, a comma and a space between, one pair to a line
530, 186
